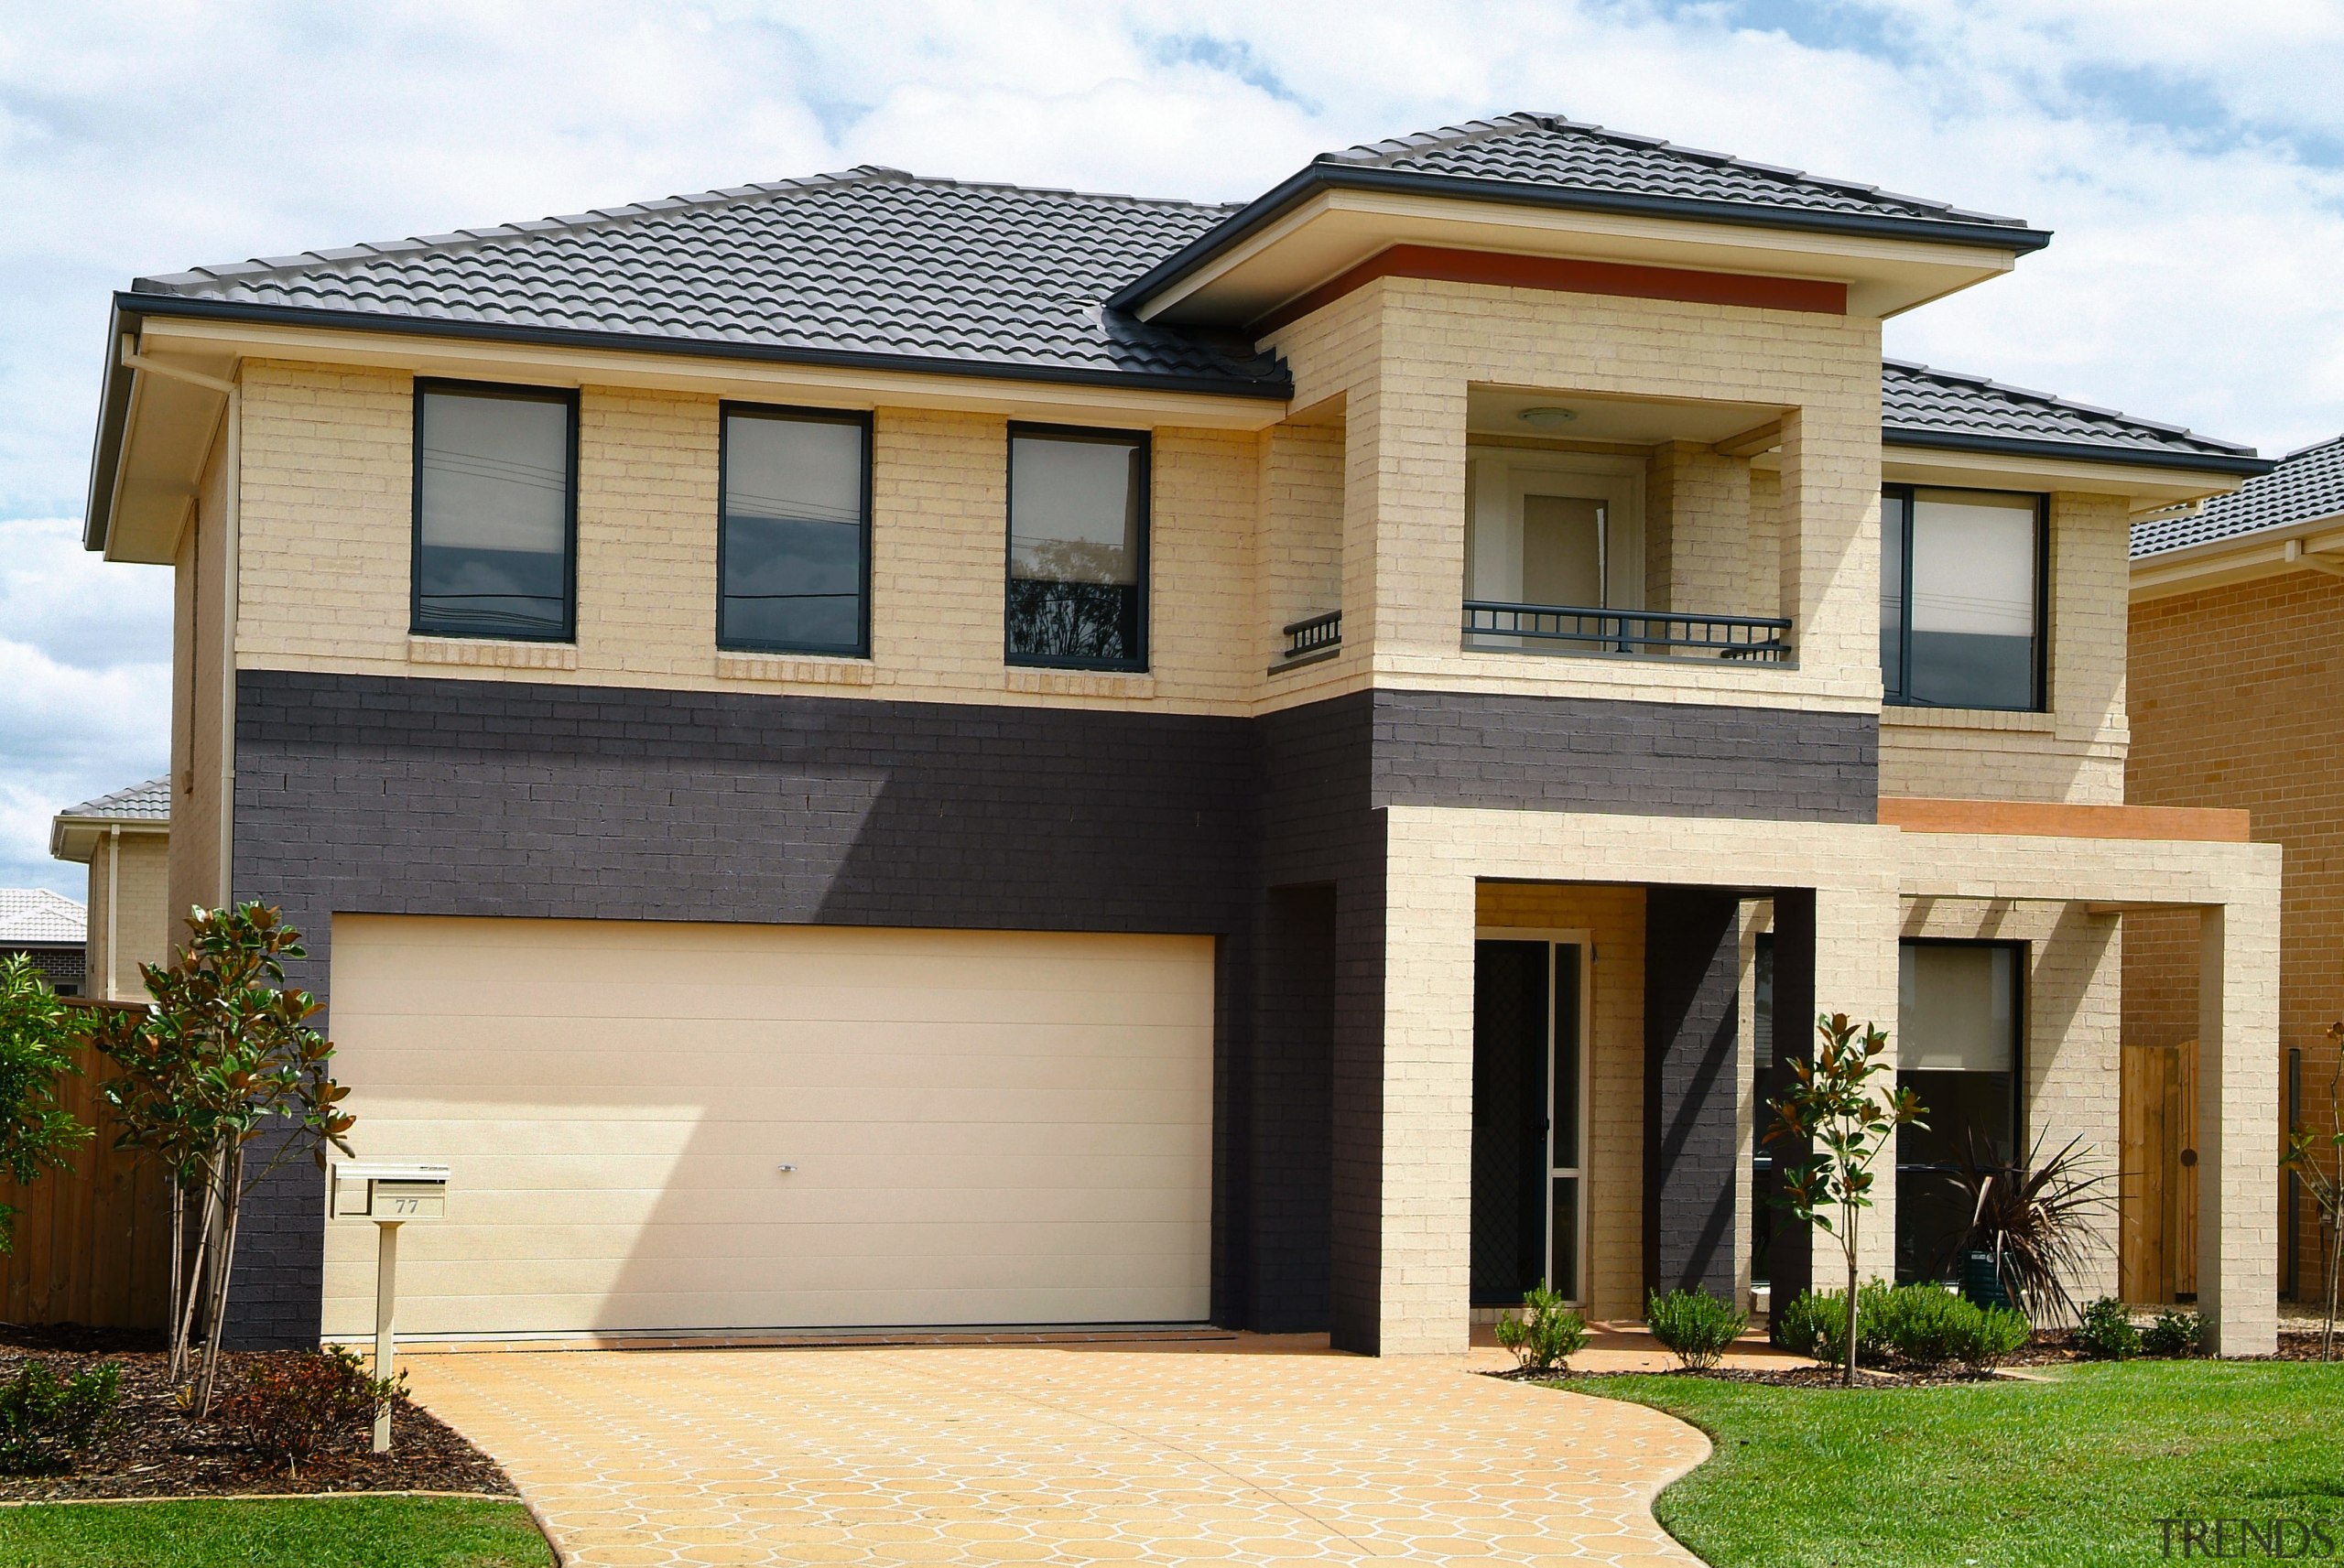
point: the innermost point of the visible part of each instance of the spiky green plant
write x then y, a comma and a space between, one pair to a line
2042, 1221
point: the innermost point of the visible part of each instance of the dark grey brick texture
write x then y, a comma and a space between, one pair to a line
1692, 1156
378, 796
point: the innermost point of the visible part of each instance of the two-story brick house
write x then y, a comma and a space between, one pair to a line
872, 750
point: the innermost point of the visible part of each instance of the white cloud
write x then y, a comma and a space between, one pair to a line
85, 687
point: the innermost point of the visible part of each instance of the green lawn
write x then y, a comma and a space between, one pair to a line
2000, 1475
289, 1532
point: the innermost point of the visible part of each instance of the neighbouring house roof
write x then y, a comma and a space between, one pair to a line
872, 265
148, 801
1922, 407
2307, 486
35, 917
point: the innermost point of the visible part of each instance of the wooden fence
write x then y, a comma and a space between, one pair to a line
90, 1241
2157, 1246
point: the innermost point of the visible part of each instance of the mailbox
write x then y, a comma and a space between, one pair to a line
383, 1190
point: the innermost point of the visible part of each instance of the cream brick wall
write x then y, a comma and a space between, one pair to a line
2237, 887
1401, 353
1298, 555
2073, 1000
327, 524
130, 901
1698, 534
199, 593
2075, 752
1437, 857
1613, 1185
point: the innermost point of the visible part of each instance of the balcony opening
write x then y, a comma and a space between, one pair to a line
1622, 528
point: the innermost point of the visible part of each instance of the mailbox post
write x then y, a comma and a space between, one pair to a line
391, 1195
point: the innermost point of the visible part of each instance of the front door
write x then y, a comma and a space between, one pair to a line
1529, 997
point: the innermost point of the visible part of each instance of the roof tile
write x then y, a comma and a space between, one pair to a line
2307, 487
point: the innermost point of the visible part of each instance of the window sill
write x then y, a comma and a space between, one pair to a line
802, 668
492, 651
2002, 718
1138, 686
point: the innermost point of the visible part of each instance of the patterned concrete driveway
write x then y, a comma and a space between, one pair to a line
1246, 1453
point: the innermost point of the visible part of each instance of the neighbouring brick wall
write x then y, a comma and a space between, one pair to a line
136, 870
2073, 753
2236, 691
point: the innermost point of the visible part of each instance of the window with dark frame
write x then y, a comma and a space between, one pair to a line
495, 511
1076, 591
1962, 598
794, 534
1963, 1016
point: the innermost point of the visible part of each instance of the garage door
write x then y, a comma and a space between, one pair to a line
980, 1126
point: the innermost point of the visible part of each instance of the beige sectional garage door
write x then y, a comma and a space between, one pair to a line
986, 1127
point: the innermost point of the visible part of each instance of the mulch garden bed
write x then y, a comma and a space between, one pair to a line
154, 1450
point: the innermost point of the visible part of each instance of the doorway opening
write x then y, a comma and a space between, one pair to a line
1530, 1026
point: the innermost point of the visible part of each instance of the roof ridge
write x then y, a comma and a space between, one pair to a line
632, 212
100, 805
2308, 450
1966, 378
1392, 147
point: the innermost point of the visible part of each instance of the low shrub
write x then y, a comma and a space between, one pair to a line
2001, 1334
45, 1421
1693, 1326
2107, 1333
1928, 1326
1816, 1322
1548, 1334
2175, 1332
292, 1405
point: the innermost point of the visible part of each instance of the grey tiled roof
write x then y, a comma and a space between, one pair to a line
148, 801
37, 917
1550, 150
2305, 487
872, 263
1917, 403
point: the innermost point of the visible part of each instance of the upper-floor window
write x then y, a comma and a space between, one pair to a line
1962, 598
1078, 548
495, 511
793, 545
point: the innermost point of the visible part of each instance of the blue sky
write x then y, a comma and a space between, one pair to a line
2189, 156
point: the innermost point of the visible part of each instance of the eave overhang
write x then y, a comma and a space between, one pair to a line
1324, 221
217, 333
2313, 542
77, 839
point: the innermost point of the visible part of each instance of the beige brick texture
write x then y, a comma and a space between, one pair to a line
2075, 751
326, 522
199, 599
129, 904
2235, 693
1401, 353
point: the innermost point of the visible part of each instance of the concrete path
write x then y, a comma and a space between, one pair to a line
1250, 1453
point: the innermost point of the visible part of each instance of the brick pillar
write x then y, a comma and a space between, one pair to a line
1288, 1126
2238, 1106
1692, 1088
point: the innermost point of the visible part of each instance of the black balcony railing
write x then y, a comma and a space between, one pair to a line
1319, 634
1755, 637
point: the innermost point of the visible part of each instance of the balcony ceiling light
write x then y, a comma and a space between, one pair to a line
1547, 419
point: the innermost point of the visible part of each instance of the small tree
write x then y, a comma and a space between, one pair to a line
2326, 1182
36, 1133
225, 1057
1836, 1109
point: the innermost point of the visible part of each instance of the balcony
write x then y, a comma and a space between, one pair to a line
1318, 637
1494, 624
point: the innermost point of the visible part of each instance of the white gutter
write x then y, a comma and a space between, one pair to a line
113, 903
233, 461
